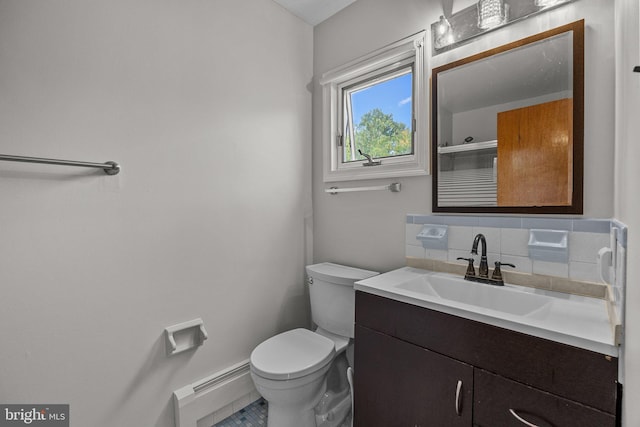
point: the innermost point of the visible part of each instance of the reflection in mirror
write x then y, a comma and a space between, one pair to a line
507, 127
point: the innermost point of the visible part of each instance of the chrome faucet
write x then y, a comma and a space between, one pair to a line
483, 269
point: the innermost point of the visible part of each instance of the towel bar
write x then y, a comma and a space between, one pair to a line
110, 168
393, 187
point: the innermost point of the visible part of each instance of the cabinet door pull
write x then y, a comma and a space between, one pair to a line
519, 418
458, 403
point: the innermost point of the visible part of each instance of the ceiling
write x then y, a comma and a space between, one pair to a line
314, 11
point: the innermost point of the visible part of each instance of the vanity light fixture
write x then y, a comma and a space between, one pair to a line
443, 33
547, 3
483, 16
492, 13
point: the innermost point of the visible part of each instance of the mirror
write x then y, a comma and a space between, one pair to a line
507, 127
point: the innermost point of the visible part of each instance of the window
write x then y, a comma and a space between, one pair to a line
374, 123
377, 117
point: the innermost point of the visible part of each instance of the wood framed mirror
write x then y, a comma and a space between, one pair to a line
508, 127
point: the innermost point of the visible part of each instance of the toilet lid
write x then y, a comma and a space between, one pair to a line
292, 354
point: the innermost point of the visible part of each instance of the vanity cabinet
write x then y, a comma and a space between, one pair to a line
500, 402
408, 385
417, 367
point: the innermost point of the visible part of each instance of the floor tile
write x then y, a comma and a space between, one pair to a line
254, 415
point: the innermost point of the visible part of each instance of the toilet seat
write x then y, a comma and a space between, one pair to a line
292, 354
339, 342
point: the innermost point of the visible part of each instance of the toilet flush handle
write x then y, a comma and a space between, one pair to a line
310, 281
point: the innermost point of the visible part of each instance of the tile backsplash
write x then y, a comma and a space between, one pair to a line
508, 241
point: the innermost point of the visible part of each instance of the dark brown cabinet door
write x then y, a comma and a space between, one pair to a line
398, 384
499, 402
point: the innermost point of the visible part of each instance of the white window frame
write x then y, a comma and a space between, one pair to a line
410, 50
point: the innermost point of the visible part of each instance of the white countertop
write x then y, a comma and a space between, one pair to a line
570, 319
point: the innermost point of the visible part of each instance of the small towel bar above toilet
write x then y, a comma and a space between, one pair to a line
394, 187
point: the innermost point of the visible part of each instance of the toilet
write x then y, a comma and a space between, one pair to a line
302, 374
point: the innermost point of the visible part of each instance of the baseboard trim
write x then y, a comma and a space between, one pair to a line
210, 394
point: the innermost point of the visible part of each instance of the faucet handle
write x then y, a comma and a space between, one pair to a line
497, 273
471, 271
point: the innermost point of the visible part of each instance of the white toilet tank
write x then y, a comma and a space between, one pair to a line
332, 296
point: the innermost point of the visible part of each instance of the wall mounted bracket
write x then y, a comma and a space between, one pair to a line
184, 336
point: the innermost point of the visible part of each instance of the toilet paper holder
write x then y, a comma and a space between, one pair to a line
186, 335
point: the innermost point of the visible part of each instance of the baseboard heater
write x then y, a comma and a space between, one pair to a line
211, 394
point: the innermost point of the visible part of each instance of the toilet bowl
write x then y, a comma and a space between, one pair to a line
289, 371
302, 374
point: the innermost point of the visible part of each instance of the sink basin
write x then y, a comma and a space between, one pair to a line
496, 298
570, 319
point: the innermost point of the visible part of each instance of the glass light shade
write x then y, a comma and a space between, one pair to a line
491, 13
545, 3
444, 33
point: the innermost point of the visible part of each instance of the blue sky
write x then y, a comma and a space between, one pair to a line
392, 97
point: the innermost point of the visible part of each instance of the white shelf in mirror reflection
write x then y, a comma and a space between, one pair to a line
472, 146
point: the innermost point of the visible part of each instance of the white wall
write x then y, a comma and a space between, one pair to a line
205, 105
627, 202
367, 229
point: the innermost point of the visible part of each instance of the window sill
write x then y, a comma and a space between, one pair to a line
360, 172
